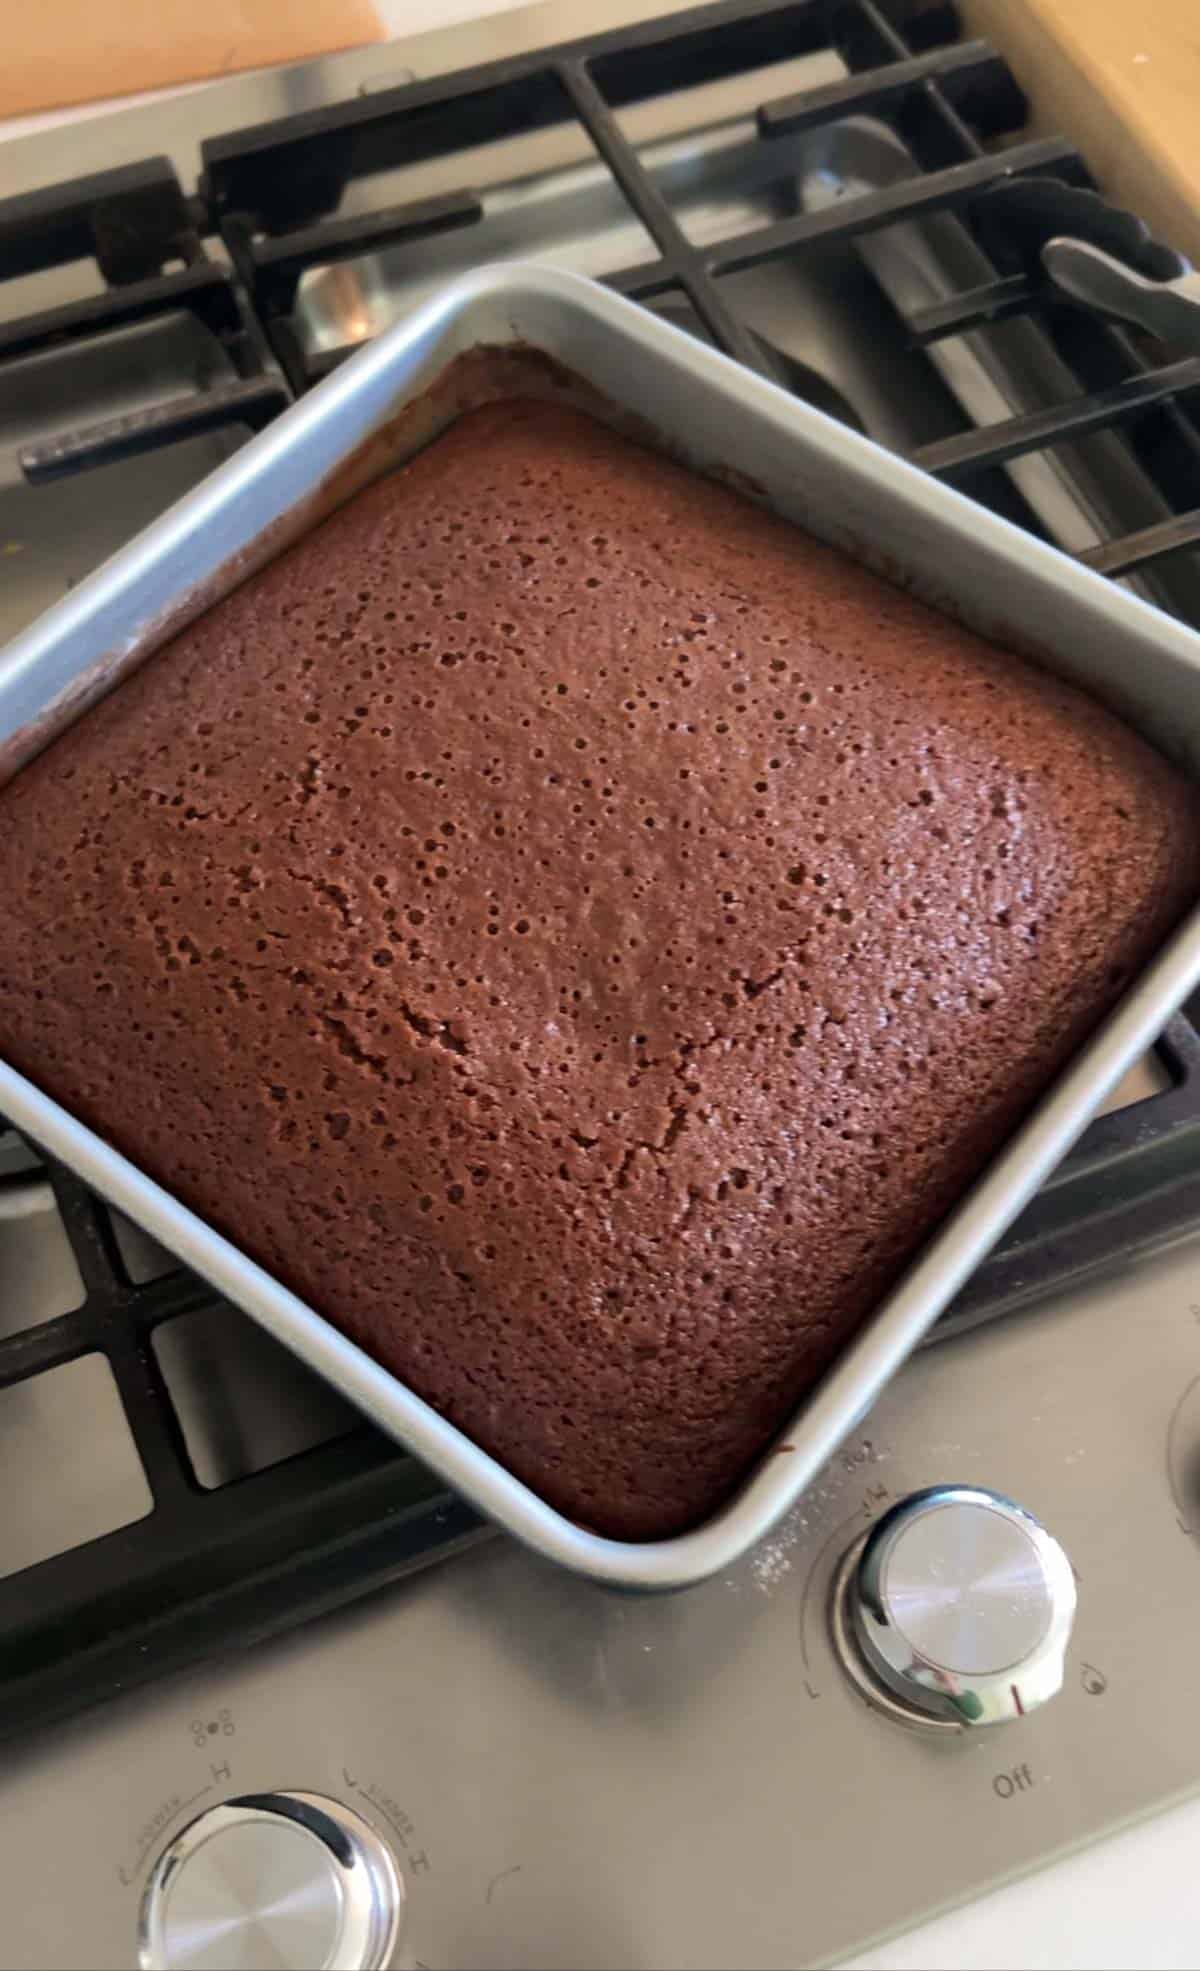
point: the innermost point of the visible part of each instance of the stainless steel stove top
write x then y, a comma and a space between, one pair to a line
545, 194
567, 1777
570, 1777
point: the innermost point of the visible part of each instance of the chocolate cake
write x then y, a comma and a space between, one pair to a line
582, 935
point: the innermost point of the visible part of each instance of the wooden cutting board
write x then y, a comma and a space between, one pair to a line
1122, 78
74, 51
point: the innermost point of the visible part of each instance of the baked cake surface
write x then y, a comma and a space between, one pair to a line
580, 934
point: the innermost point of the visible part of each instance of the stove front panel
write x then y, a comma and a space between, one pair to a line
573, 1777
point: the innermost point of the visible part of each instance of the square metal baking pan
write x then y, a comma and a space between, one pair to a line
377, 409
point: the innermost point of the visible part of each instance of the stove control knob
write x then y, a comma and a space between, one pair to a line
274, 1880
955, 1609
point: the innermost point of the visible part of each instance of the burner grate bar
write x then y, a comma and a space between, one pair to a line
657, 217
622, 160
203, 290
130, 219
1149, 544
278, 263
244, 168
644, 282
30, 1351
994, 444
253, 402
88, 1228
151, 1418
911, 198
111, 1307
55, 1661
219, 1536
976, 307
883, 43
875, 89
116, 1308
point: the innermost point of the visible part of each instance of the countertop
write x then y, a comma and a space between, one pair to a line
1134, 1899
1124, 81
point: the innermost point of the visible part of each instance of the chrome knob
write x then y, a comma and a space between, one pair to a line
269, 1882
955, 1609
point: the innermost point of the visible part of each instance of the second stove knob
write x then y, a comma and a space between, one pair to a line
271, 1881
956, 1609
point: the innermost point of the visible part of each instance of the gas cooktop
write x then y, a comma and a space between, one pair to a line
544, 1773
571, 1777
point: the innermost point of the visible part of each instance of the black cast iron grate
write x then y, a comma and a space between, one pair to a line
146, 240
207, 1567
